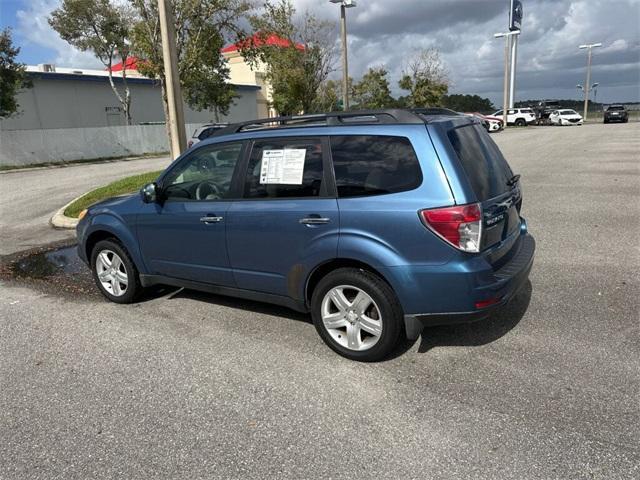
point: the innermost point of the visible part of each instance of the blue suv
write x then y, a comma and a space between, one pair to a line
377, 223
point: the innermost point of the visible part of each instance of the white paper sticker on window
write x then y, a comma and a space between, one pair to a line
283, 167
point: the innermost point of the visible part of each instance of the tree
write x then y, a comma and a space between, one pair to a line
101, 27
373, 90
467, 103
329, 97
425, 78
13, 75
201, 28
297, 68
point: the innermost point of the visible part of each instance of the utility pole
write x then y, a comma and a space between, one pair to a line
587, 84
505, 96
172, 79
344, 4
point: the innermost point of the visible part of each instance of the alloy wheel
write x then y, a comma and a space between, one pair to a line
112, 273
351, 317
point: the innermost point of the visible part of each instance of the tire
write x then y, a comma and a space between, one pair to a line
606, 121
373, 338
121, 285
521, 122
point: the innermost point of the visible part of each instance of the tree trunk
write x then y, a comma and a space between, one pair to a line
165, 108
126, 105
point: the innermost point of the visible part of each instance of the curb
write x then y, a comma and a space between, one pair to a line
60, 220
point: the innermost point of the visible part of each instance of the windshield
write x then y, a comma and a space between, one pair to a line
568, 112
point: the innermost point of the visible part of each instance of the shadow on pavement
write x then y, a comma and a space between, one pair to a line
472, 334
242, 304
482, 332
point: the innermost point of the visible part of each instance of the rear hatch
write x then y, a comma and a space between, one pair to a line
494, 184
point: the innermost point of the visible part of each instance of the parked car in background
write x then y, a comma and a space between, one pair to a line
520, 117
616, 113
543, 109
565, 117
491, 124
204, 132
378, 223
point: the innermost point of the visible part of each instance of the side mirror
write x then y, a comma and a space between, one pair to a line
149, 193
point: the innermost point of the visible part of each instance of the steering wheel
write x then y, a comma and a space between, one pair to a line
207, 190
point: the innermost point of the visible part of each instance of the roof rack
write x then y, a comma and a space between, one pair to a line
361, 117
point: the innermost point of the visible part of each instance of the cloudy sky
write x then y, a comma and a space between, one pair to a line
388, 32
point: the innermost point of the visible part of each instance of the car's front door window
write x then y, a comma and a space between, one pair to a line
204, 175
285, 168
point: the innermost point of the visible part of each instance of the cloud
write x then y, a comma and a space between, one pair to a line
389, 31
549, 62
33, 27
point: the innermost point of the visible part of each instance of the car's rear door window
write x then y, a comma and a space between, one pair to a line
374, 165
285, 168
485, 166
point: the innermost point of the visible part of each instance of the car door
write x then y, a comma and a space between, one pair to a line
287, 221
184, 235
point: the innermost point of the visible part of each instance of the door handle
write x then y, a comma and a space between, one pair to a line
210, 219
314, 220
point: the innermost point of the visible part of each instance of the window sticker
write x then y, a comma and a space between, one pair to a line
284, 167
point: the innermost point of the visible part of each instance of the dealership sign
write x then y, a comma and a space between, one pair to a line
515, 15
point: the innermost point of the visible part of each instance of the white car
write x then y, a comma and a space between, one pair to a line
491, 124
204, 132
518, 116
565, 117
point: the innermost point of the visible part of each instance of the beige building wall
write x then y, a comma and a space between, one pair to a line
242, 73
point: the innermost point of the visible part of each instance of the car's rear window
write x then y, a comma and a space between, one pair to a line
485, 166
526, 110
374, 165
616, 107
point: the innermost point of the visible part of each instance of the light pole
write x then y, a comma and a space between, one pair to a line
589, 47
344, 4
505, 97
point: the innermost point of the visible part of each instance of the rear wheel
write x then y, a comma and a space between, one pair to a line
357, 314
521, 122
114, 272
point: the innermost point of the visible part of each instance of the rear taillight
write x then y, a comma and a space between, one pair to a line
460, 225
190, 144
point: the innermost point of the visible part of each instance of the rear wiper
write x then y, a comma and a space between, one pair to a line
513, 180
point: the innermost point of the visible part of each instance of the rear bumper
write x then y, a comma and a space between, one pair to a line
503, 286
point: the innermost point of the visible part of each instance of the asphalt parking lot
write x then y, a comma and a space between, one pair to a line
188, 385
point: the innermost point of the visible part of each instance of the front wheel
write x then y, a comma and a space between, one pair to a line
114, 272
357, 314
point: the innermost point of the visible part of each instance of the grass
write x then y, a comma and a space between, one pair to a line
119, 187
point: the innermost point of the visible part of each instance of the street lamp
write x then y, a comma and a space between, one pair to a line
505, 97
344, 4
589, 47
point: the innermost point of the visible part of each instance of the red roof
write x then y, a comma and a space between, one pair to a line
258, 41
132, 64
